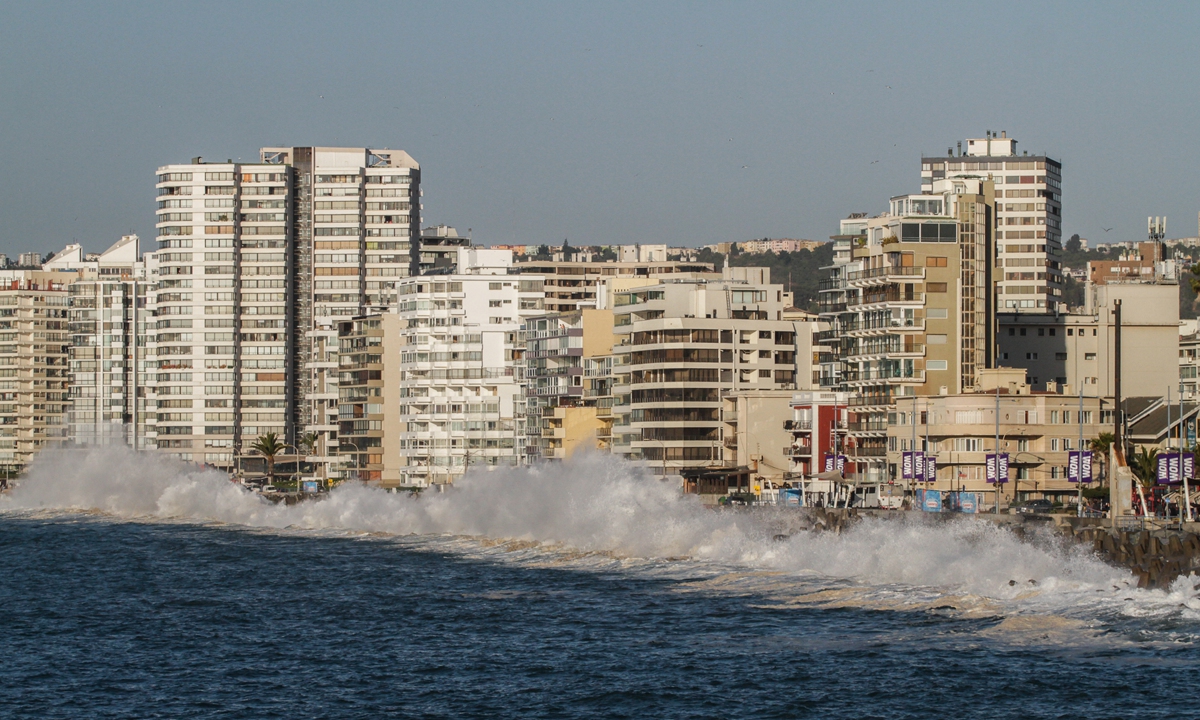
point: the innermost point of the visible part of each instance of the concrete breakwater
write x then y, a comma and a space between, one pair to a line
1156, 555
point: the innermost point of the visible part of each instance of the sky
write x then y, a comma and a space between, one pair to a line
685, 123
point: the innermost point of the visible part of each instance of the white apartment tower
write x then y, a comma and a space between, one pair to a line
255, 256
1028, 217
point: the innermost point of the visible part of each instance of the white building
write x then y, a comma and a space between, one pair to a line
1028, 216
461, 402
255, 257
110, 321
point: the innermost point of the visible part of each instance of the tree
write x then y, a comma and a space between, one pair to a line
1101, 446
1145, 467
269, 446
1074, 244
309, 441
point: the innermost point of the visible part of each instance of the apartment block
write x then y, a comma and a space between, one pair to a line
568, 383
755, 434
111, 321
35, 342
1076, 349
909, 312
463, 402
1036, 429
256, 257
572, 285
1028, 216
682, 347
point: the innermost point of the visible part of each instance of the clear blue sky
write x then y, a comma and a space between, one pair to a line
600, 122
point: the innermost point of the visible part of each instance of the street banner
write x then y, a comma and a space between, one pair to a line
1189, 466
919, 465
841, 464
906, 465
1079, 466
997, 468
828, 462
931, 469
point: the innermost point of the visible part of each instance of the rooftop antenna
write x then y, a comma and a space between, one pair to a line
960, 148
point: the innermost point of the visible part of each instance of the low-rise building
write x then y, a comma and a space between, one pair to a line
1037, 430
1080, 348
571, 285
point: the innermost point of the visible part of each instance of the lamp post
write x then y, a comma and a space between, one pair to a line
356, 452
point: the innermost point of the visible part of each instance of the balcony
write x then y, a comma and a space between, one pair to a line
872, 400
798, 451
876, 276
874, 426
888, 297
880, 350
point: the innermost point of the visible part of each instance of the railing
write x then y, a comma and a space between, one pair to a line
875, 426
831, 307
872, 399
794, 450
878, 374
882, 324
869, 452
893, 296
885, 272
886, 349
831, 284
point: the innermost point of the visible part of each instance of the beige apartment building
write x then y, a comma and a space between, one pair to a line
909, 311
1036, 429
683, 346
571, 285
1080, 348
35, 343
568, 383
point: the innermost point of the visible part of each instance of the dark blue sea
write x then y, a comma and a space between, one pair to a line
197, 602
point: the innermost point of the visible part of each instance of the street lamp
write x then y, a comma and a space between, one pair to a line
357, 451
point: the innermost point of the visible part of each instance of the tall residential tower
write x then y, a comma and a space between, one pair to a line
254, 256
1028, 217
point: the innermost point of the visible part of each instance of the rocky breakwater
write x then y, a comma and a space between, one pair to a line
1155, 554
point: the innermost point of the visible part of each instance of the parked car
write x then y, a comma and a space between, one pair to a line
270, 489
1032, 507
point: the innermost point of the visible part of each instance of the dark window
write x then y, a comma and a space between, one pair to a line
935, 287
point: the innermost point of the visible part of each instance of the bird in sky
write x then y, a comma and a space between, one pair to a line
745, 167
1105, 229
874, 161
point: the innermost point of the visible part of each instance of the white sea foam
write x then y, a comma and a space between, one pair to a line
601, 504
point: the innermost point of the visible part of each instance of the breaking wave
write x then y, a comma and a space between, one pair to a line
598, 503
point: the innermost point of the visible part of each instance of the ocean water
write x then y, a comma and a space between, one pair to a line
133, 586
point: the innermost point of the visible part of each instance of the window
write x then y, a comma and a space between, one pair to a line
936, 365
1031, 356
942, 314
1089, 356
1041, 331
1060, 356
764, 373
935, 261
935, 339
966, 444
1012, 331
1022, 332
935, 287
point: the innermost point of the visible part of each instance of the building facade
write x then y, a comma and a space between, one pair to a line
254, 257
35, 342
682, 347
1028, 220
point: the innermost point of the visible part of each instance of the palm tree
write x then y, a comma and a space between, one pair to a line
309, 441
1101, 446
269, 446
1145, 467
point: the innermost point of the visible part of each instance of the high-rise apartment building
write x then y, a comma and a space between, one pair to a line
34, 343
685, 344
1028, 189
110, 321
909, 312
255, 257
435, 389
